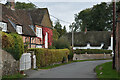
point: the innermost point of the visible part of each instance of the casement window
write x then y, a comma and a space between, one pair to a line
39, 32
3, 26
19, 29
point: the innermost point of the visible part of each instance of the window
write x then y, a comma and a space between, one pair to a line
39, 32
3, 26
19, 29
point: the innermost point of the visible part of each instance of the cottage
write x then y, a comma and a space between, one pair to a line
34, 26
91, 40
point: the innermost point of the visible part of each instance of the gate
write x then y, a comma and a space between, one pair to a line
25, 61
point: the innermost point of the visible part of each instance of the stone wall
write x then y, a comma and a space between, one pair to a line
91, 56
10, 65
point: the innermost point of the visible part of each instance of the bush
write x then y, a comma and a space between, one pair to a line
13, 44
92, 51
45, 57
70, 56
61, 43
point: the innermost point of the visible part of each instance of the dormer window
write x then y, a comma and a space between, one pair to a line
19, 29
3, 26
39, 32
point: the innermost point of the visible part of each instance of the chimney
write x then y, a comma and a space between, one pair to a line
11, 4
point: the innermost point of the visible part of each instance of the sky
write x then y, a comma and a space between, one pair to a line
64, 9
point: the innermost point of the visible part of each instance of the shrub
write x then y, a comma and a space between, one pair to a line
92, 51
61, 43
45, 57
13, 44
70, 56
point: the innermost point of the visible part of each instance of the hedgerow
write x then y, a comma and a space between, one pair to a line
92, 51
45, 57
13, 44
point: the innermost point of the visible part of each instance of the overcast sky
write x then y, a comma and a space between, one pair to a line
64, 9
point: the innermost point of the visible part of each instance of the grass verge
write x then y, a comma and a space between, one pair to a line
16, 76
105, 71
56, 65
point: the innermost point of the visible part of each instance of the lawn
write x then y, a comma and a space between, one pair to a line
105, 71
16, 76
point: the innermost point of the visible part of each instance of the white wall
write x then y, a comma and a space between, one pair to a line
89, 47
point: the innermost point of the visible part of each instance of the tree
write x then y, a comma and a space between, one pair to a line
97, 18
64, 30
20, 5
59, 29
55, 35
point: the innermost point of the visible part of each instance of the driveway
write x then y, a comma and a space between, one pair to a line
73, 70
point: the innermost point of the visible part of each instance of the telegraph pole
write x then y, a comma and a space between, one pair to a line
114, 22
72, 37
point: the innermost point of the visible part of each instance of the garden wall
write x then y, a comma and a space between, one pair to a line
91, 56
10, 65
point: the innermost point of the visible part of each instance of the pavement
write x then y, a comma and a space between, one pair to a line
73, 70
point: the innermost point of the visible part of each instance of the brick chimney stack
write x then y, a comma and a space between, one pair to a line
11, 3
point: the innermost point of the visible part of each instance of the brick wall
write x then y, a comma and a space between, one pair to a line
91, 56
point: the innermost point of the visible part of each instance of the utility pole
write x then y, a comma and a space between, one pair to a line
114, 22
72, 37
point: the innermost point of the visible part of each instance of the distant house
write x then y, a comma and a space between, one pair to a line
34, 26
91, 40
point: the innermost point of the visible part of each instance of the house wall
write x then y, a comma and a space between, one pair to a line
46, 20
88, 47
27, 39
37, 39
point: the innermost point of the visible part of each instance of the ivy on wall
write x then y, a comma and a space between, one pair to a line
50, 34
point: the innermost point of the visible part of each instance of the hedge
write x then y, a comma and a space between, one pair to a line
92, 51
13, 44
45, 57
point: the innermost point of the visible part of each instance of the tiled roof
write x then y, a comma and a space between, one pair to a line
37, 15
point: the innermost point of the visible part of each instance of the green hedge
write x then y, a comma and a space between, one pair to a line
13, 44
92, 51
45, 57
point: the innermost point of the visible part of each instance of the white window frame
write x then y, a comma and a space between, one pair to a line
3, 26
39, 32
19, 29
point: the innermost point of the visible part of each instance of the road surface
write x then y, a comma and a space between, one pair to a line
73, 70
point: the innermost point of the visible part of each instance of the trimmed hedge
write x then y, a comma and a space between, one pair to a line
92, 51
45, 57
13, 44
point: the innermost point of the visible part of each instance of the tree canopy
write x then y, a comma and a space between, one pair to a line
97, 18
59, 29
23, 5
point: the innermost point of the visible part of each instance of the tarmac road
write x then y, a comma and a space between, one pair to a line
73, 70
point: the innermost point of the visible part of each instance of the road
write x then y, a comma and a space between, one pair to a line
73, 70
